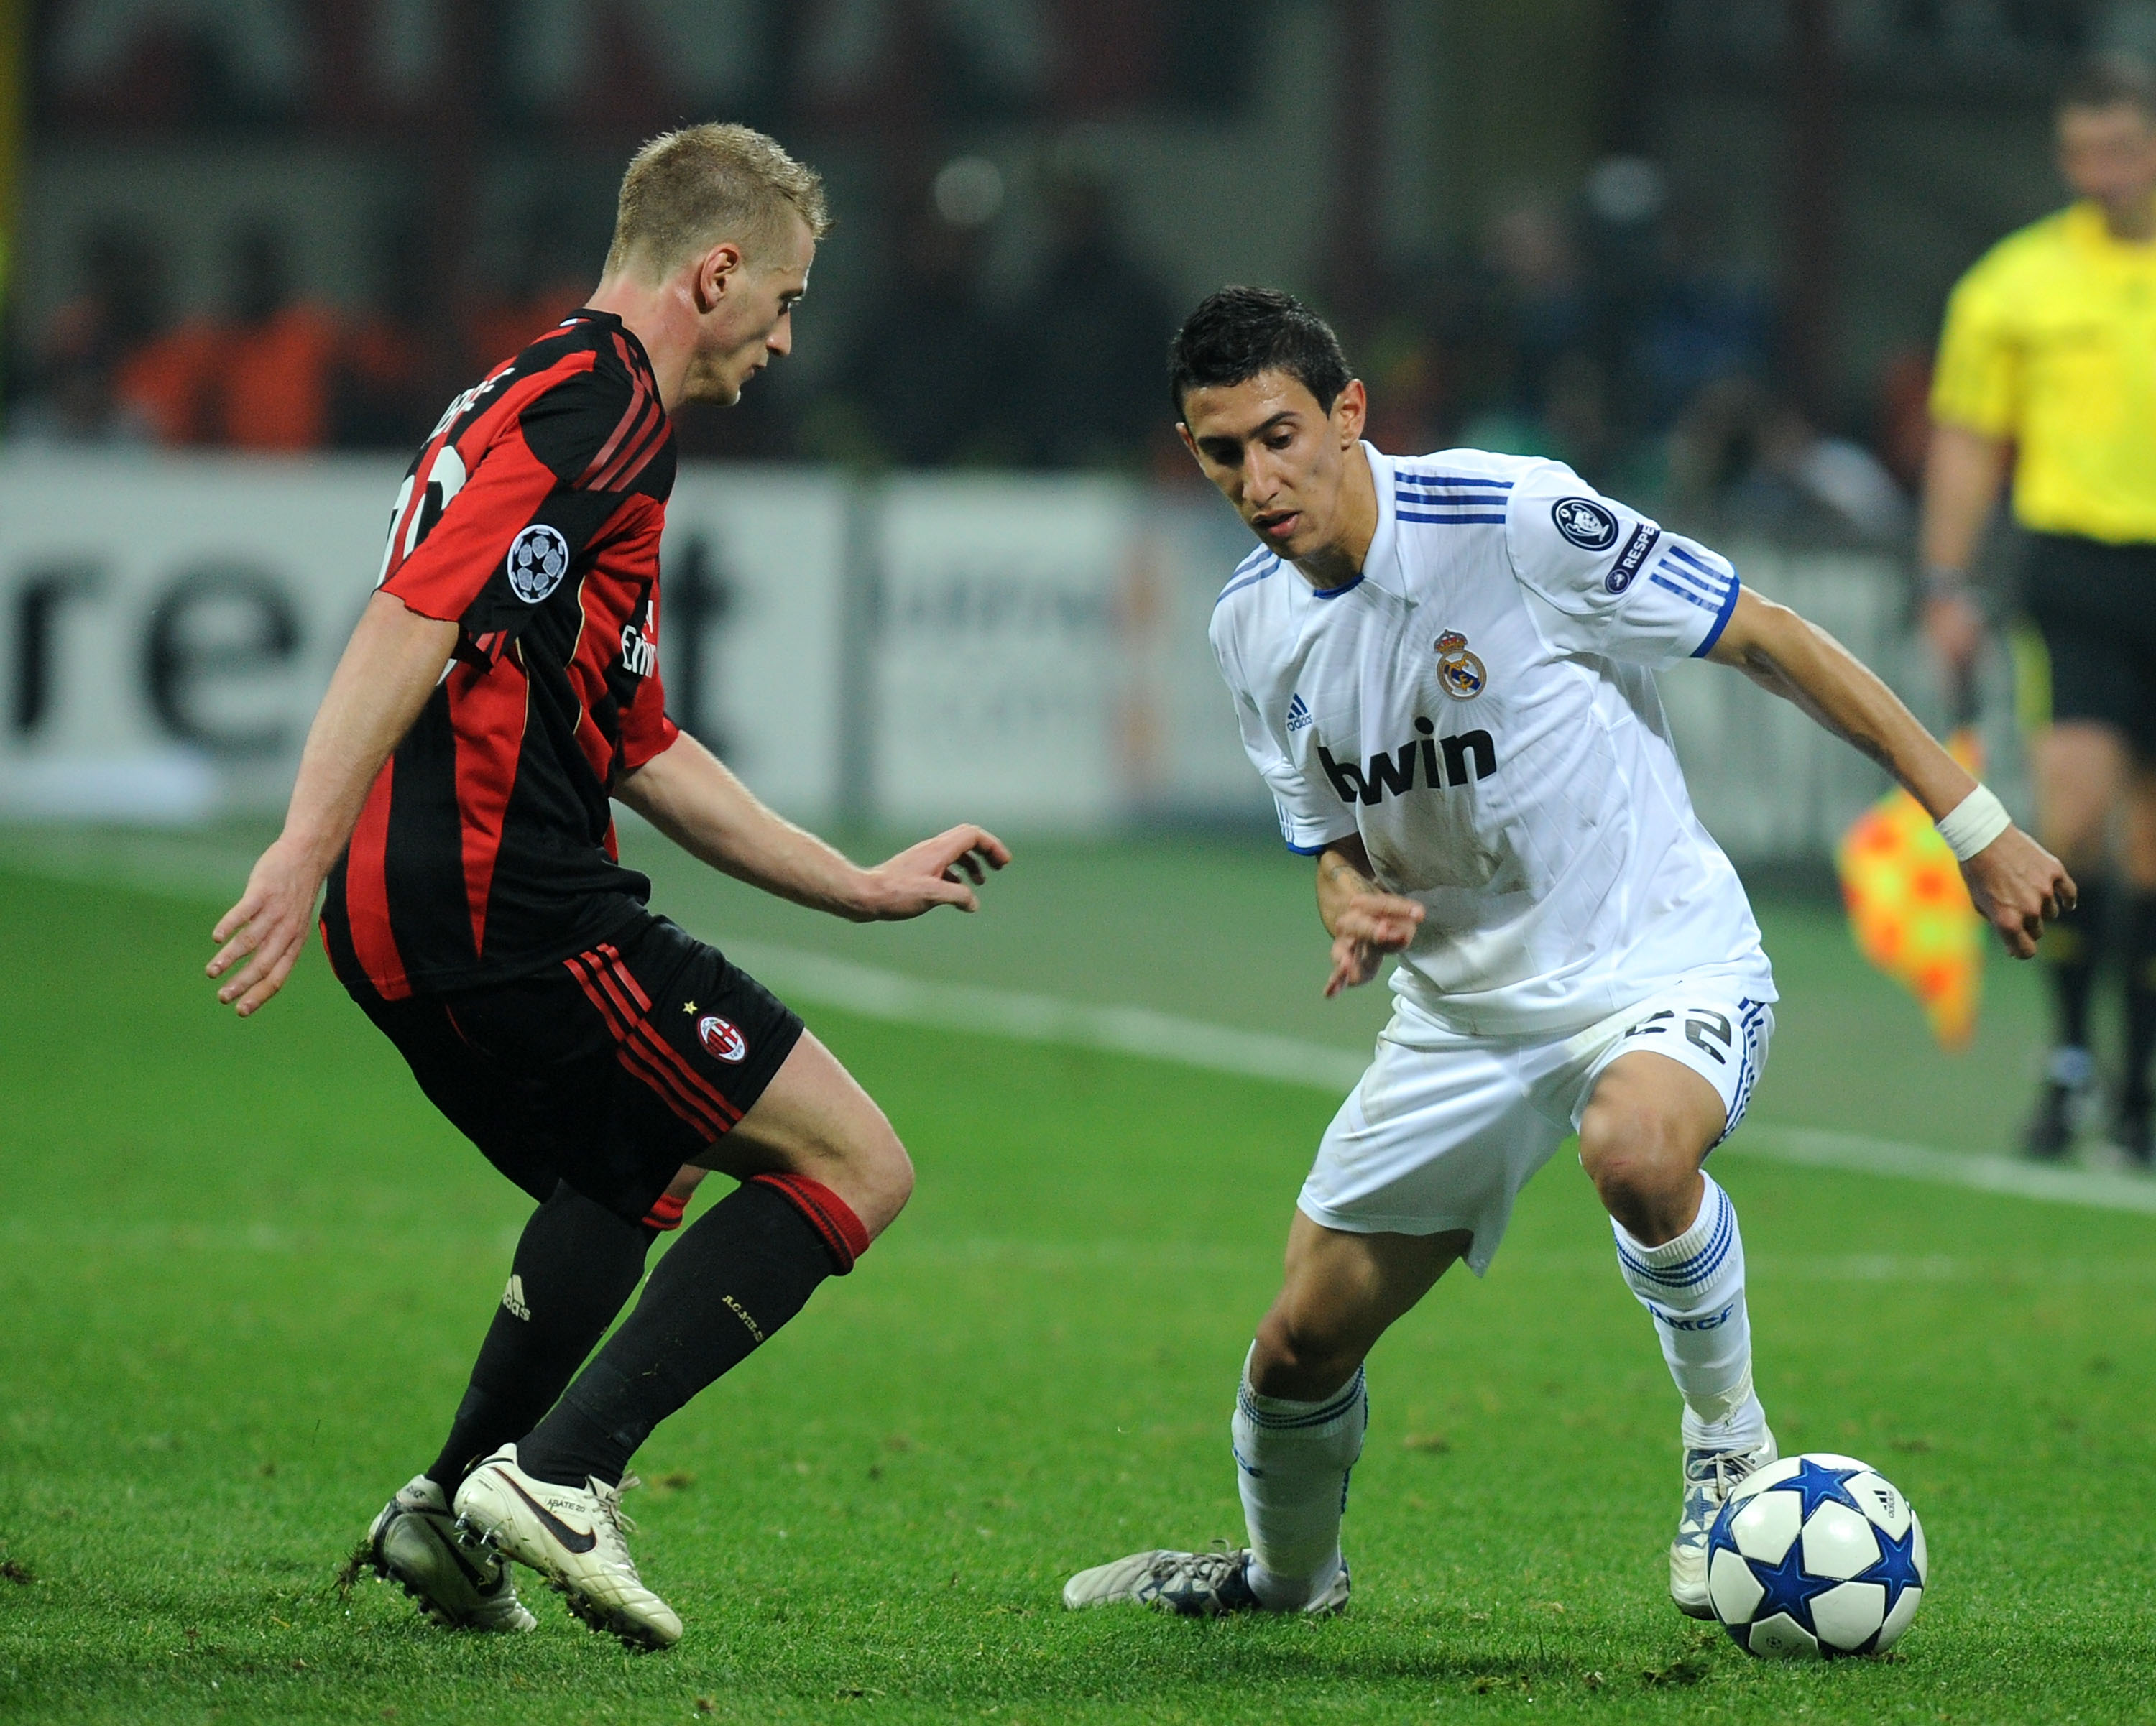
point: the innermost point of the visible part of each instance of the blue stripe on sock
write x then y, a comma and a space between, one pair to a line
1701, 1266
1348, 1396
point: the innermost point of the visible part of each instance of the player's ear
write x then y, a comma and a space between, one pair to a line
1351, 411
716, 272
1189, 442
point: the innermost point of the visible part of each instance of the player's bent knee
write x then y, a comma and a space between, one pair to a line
892, 1172
1302, 1356
869, 1166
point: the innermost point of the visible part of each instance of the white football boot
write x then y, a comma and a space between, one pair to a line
413, 1543
574, 1536
1710, 1476
1191, 1584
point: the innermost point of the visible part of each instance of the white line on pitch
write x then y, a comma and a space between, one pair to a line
1820, 1148
879, 993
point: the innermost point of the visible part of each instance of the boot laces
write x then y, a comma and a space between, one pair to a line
620, 1522
1725, 1468
1207, 1569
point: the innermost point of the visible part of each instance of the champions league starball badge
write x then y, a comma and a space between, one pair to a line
1458, 670
538, 559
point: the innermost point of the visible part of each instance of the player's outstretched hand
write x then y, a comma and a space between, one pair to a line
2018, 887
267, 928
936, 872
1371, 925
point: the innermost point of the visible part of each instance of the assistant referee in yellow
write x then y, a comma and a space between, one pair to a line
2048, 363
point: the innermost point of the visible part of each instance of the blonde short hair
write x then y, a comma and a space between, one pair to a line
689, 189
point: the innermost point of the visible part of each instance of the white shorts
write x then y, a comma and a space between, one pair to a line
1442, 1131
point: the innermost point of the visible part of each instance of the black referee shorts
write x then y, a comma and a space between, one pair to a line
2094, 604
607, 1071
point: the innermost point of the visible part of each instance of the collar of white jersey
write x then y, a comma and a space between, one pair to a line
1381, 567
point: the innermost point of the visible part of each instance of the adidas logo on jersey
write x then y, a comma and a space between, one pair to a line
512, 1299
1394, 774
1298, 715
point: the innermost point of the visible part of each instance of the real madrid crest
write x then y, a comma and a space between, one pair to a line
1458, 670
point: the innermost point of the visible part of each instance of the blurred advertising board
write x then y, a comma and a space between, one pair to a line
167, 625
1000, 665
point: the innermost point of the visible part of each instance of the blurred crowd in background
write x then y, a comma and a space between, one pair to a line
997, 303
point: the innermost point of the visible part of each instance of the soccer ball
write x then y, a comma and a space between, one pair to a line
1814, 1556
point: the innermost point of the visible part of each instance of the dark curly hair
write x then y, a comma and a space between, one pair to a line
1237, 333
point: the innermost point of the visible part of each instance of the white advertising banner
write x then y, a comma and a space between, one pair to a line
1000, 666
168, 624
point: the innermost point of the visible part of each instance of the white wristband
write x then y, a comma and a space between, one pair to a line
1974, 823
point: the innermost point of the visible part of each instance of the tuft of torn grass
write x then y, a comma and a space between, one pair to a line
358, 1563
15, 1570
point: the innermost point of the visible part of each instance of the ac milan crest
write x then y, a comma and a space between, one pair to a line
721, 1039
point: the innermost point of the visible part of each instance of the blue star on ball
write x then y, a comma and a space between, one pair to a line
1896, 1568
1791, 1589
1819, 1486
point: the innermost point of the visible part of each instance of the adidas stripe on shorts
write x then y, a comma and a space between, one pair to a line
608, 1070
1443, 1129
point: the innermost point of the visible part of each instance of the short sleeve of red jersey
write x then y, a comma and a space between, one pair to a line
500, 510
645, 730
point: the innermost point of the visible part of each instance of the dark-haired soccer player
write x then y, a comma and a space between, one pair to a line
1444, 669
501, 686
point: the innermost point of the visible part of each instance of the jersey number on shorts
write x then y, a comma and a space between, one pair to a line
1698, 1026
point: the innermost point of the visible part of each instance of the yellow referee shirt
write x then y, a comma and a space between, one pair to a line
2051, 342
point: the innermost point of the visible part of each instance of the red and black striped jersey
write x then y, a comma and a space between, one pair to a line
530, 518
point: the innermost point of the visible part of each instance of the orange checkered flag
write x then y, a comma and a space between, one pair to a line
1909, 910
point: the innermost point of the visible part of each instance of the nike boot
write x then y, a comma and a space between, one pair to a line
574, 1536
413, 1543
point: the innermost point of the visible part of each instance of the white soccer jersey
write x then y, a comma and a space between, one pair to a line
1480, 705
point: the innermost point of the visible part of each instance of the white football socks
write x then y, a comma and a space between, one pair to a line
1694, 1287
1292, 1460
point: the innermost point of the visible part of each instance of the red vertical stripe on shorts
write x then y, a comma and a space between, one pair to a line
645, 1033
644, 1055
366, 893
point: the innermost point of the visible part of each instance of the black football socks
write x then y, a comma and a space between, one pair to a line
576, 1265
2072, 948
742, 1270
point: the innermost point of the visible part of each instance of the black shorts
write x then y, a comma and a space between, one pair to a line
2094, 605
607, 1071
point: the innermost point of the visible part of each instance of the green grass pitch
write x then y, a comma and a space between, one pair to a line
243, 1269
